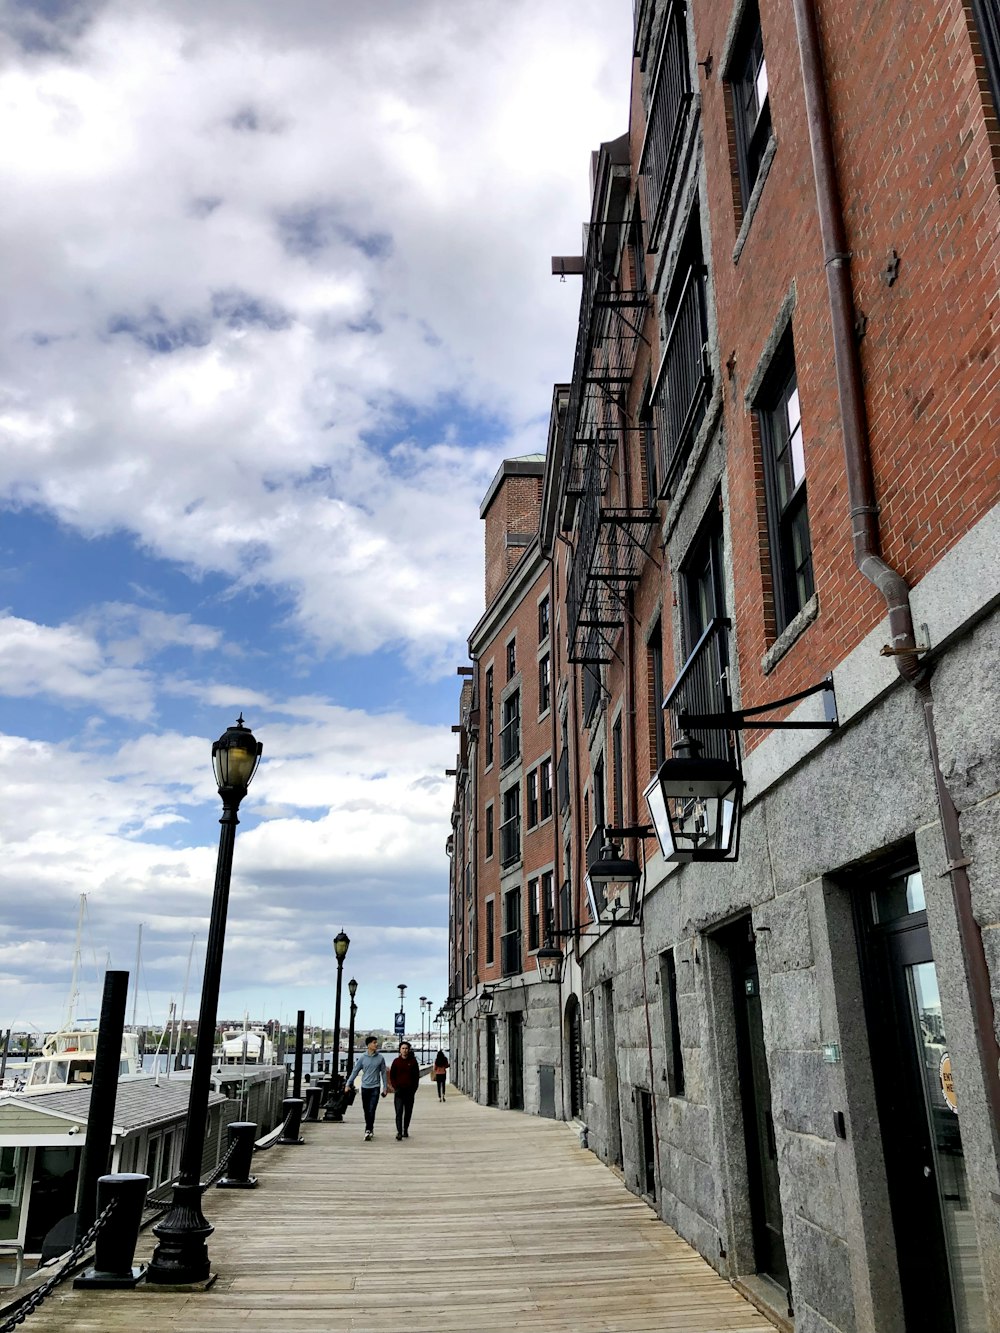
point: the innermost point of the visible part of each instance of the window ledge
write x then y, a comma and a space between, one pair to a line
792, 632
754, 200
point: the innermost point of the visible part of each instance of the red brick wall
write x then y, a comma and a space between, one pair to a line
514, 512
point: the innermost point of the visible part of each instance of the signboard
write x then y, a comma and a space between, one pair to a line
400, 1027
948, 1083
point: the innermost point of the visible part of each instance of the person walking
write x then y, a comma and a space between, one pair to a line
404, 1075
371, 1067
441, 1067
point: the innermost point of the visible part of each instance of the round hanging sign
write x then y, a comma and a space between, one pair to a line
948, 1083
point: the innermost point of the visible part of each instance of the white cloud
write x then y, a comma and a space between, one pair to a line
228, 263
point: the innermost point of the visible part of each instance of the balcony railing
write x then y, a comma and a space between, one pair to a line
510, 953
702, 686
510, 842
685, 378
510, 742
669, 109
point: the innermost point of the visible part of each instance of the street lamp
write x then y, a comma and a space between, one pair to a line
485, 1006
334, 1110
400, 1024
352, 987
549, 961
695, 802
613, 883
423, 1009
181, 1255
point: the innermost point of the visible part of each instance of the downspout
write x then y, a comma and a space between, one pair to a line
864, 525
579, 852
557, 860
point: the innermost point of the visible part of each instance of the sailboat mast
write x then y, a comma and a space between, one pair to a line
135, 993
74, 985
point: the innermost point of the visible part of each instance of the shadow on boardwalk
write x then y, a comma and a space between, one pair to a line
481, 1220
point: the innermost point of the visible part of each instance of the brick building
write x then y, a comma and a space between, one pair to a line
772, 484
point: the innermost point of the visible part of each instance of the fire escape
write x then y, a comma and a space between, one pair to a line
611, 539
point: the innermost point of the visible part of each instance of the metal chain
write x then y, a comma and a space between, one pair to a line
222, 1165
269, 1140
72, 1259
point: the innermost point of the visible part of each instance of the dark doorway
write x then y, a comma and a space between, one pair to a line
647, 1143
53, 1193
515, 1060
755, 1097
547, 1091
612, 1103
574, 1036
492, 1073
936, 1243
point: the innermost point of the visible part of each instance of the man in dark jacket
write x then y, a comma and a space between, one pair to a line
404, 1075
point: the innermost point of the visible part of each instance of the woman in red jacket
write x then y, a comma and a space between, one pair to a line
441, 1073
404, 1075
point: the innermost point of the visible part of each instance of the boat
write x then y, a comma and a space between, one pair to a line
247, 1046
68, 1056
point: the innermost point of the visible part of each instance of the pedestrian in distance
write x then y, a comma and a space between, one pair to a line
374, 1083
441, 1073
404, 1075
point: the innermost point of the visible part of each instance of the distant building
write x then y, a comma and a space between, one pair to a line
777, 461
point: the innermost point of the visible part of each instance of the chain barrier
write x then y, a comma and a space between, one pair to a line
222, 1165
31, 1304
269, 1140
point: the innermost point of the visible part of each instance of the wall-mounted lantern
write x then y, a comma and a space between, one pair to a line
549, 961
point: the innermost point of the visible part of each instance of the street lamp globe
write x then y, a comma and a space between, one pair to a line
352, 986
235, 756
341, 943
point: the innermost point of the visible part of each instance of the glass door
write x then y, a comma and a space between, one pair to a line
936, 1243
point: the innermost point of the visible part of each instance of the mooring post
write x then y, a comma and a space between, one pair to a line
114, 1248
292, 1107
241, 1134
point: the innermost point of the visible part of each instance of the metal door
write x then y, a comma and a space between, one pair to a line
547, 1091
492, 1072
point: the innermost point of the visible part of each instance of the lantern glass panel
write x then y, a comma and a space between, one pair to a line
612, 899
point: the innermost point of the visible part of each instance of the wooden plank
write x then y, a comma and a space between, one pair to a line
481, 1220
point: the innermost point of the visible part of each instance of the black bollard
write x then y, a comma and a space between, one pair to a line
241, 1139
314, 1095
292, 1108
114, 1249
96, 1156
300, 1027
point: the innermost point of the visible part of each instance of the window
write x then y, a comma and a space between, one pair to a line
510, 732
543, 620
702, 583
549, 904
684, 380
591, 690
510, 943
654, 668
491, 926
545, 788
647, 432
785, 482
489, 830
747, 79
637, 251
544, 684
532, 811
566, 905
617, 759
600, 819
511, 659
987, 20
510, 829
489, 716
671, 1025
534, 913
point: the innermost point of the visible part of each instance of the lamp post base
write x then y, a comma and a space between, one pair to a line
181, 1257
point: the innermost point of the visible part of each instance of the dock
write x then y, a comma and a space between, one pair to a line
481, 1220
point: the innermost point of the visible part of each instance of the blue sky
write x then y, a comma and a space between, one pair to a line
276, 304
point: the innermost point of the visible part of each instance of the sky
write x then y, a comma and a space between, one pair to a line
276, 303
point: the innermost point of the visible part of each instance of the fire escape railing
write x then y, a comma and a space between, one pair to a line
669, 110
702, 686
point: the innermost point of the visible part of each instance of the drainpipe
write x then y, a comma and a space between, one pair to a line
557, 857
864, 524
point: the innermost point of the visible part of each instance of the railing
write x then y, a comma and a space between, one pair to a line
510, 741
566, 906
510, 841
669, 107
685, 377
70, 1261
510, 953
702, 686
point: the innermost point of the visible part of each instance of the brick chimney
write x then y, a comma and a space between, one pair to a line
511, 510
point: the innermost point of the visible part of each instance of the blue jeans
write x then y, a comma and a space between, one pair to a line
369, 1100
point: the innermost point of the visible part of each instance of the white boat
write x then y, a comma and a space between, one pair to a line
247, 1046
68, 1056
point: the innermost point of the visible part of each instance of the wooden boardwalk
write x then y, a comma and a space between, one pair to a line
481, 1220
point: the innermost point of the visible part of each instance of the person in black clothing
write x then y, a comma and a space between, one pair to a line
404, 1075
441, 1073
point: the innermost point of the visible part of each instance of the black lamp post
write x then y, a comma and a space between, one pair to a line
402, 1012
423, 1010
181, 1256
352, 987
334, 1105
